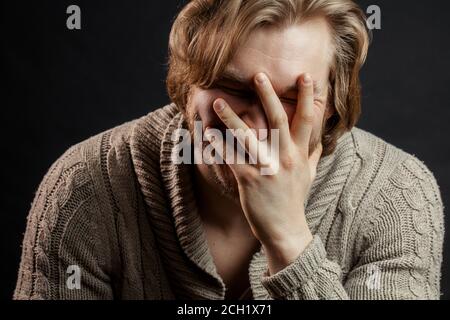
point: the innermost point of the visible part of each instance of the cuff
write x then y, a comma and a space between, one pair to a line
297, 273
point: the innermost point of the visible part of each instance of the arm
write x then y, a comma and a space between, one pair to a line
298, 267
63, 237
402, 254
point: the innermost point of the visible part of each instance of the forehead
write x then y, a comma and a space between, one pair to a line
285, 54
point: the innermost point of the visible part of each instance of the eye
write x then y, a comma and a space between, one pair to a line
289, 101
237, 92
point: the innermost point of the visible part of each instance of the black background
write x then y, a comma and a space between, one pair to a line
63, 86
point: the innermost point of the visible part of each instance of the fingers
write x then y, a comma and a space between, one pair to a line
302, 122
245, 136
276, 115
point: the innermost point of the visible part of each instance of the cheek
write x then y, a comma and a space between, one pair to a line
201, 103
319, 110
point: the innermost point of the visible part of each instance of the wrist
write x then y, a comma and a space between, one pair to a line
282, 252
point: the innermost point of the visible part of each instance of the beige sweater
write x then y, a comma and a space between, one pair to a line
116, 207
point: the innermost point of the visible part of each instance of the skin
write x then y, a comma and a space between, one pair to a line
240, 208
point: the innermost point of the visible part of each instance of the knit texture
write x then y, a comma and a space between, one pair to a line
117, 207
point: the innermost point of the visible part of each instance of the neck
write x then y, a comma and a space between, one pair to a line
216, 209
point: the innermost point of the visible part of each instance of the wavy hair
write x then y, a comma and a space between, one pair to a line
206, 34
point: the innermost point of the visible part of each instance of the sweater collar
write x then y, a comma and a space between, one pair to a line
177, 185
178, 181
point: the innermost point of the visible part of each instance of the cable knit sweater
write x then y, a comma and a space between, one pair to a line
118, 208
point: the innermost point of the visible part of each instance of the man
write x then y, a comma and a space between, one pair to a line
344, 215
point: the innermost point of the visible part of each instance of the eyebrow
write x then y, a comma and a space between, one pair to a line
232, 76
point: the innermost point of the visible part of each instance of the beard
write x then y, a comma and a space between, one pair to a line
224, 178
220, 174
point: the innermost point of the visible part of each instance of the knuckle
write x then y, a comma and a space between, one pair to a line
226, 119
248, 178
280, 120
289, 162
307, 118
309, 95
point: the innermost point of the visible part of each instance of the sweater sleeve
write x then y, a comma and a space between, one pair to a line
401, 255
62, 256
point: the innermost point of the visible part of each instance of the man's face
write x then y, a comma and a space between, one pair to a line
283, 55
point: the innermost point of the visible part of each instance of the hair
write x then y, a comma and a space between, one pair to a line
206, 34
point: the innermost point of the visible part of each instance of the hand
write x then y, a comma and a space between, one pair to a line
274, 204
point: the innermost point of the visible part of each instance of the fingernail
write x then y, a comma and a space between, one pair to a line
307, 79
208, 134
219, 106
260, 78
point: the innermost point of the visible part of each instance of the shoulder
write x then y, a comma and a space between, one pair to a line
107, 154
100, 167
386, 161
87, 160
75, 182
380, 166
74, 212
66, 222
387, 179
375, 153
104, 161
400, 214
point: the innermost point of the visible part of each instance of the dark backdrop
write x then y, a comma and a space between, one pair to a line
63, 86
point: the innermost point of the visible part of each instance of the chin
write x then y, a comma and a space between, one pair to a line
225, 180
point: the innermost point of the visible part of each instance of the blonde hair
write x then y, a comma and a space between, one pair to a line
206, 33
